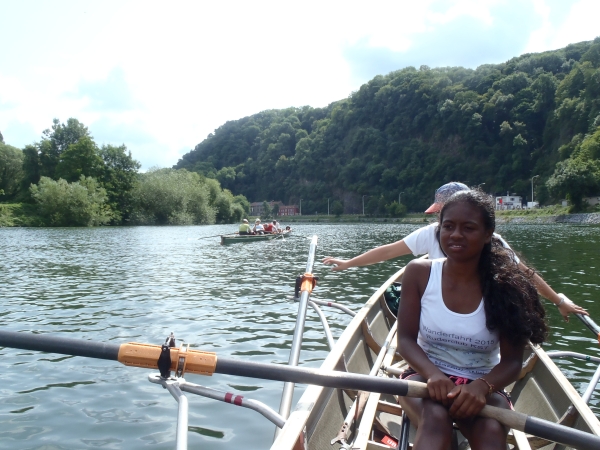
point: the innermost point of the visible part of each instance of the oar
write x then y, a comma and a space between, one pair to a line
216, 235
588, 322
206, 363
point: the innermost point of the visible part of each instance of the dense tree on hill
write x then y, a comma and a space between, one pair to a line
579, 174
415, 129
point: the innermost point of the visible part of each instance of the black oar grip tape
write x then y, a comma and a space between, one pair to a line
575, 438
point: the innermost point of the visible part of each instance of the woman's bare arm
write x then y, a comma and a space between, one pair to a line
566, 307
378, 254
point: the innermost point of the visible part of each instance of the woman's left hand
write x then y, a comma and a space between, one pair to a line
469, 399
568, 307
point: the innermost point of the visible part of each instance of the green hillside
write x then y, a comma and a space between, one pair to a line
412, 130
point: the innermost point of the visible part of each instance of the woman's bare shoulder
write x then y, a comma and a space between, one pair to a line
417, 268
419, 264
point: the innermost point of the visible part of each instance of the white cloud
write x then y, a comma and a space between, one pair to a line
111, 94
160, 77
580, 25
538, 40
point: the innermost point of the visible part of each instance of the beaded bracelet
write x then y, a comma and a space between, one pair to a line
490, 385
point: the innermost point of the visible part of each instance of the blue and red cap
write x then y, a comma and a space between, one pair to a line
443, 193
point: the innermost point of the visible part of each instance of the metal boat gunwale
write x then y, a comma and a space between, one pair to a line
544, 379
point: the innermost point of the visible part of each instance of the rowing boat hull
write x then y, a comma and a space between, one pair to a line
542, 391
237, 238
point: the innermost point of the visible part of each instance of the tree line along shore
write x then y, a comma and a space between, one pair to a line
528, 126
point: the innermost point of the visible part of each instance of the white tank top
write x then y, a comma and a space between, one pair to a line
458, 344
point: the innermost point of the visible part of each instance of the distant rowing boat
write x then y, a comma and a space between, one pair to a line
237, 238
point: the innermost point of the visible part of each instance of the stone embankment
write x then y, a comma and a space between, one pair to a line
587, 219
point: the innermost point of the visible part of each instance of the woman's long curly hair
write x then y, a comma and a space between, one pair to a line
512, 304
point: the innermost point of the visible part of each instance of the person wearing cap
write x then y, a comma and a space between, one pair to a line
424, 241
258, 228
245, 227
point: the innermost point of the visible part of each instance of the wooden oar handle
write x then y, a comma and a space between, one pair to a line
507, 417
417, 389
518, 421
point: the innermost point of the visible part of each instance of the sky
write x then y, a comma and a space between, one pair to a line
159, 77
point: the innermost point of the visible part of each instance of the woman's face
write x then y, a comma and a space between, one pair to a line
462, 231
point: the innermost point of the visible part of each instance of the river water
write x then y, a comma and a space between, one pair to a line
139, 284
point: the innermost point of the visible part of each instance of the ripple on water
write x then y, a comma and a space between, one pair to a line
140, 284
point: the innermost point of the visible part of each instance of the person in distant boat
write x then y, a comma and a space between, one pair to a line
245, 227
269, 228
424, 240
258, 228
288, 229
463, 324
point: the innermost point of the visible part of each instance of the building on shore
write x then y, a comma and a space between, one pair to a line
592, 201
257, 209
508, 202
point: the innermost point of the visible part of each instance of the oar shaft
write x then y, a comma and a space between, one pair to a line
144, 355
333, 379
588, 322
542, 428
64, 346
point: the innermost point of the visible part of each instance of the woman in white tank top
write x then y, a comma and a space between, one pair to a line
463, 324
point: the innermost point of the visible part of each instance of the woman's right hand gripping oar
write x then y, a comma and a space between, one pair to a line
440, 387
467, 399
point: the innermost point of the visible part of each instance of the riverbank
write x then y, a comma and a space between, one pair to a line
548, 215
355, 218
555, 214
581, 219
25, 215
